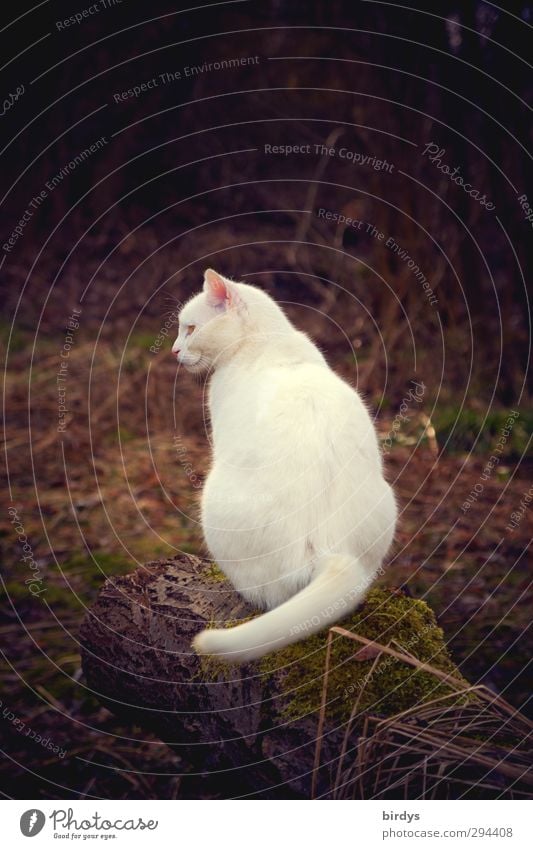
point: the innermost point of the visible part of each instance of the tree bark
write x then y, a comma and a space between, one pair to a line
137, 659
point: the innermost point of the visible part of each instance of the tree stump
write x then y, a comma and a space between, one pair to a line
137, 658
250, 730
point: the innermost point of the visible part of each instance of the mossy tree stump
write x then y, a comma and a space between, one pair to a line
251, 730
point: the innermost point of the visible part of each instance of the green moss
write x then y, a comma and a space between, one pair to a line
18, 592
189, 547
211, 667
466, 429
95, 569
214, 574
388, 617
121, 435
125, 435
383, 403
393, 686
143, 339
10, 333
85, 574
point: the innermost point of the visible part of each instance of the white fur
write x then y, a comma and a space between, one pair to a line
295, 509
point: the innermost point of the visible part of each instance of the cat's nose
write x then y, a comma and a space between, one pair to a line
175, 351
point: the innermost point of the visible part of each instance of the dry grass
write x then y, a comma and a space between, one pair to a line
469, 743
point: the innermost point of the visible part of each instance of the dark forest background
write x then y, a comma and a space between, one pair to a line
182, 182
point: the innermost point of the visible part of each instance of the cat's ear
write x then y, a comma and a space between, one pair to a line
221, 293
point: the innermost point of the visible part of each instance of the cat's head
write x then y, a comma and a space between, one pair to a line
213, 324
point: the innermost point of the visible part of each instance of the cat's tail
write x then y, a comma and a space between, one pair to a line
340, 584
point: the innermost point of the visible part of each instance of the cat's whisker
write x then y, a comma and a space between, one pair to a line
172, 299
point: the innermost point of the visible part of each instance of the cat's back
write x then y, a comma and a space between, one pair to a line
309, 397
288, 407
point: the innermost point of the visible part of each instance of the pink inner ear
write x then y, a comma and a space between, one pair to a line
216, 288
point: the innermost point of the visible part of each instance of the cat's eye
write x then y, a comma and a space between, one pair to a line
190, 329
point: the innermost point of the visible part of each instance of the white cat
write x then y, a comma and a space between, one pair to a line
295, 509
